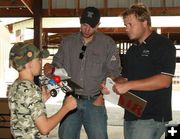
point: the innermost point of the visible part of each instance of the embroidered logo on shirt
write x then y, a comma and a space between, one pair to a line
145, 52
113, 58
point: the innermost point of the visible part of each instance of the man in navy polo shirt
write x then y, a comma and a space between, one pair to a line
149, 67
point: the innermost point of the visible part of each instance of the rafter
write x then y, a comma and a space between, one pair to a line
20, 12
9, 3
116, 30
28, 4
15, 12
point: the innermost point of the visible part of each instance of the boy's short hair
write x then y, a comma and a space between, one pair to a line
22, 53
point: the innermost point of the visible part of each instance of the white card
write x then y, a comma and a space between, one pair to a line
112, 97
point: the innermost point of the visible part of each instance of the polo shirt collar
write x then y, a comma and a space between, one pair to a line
147, 40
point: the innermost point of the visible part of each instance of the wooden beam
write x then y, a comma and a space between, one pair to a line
60, 30
6, 3
170, 30
169, 11
37, 8
60, 13
28, 4
116, 30
20, 12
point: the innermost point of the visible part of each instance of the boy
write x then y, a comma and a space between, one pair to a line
26, 101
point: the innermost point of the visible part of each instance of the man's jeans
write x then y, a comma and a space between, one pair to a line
94, 119
143, 129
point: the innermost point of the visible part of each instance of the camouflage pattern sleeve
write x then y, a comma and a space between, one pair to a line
35, 103
25, 103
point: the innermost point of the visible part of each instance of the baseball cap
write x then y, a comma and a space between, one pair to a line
22, 53
91, 16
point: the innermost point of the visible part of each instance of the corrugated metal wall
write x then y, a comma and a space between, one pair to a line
71, 4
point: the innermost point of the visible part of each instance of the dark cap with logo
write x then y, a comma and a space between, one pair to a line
91, 16
22, 53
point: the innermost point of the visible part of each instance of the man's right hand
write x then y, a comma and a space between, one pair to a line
48, 69
104, 89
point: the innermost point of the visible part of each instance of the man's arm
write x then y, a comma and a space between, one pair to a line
56, 63
155, 82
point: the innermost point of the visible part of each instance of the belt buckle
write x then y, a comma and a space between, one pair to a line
89, 97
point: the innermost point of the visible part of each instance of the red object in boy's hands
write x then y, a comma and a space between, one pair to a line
57, 79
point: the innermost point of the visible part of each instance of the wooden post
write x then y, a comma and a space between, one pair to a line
37, 8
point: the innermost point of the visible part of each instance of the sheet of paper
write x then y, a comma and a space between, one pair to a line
62, 73
128, 101
112, 97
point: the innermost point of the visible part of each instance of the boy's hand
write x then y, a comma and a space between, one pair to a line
45, 93
70, 103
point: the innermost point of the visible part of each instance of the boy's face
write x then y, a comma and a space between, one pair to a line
36, 66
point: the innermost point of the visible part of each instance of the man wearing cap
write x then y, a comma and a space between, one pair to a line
89, 57
26, 100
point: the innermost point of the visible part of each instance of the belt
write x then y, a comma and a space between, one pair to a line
86, 97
